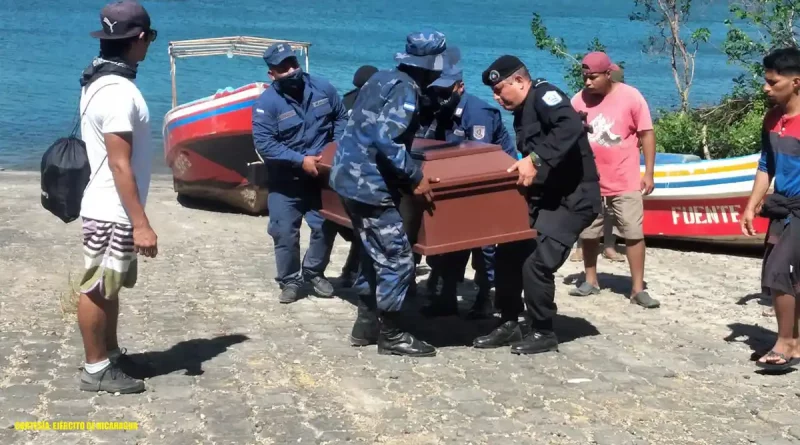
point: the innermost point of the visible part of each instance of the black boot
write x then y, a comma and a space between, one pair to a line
366, 328
351, 268
444, 305
535, 342
394, 341
433, 282
507, 333
482, 308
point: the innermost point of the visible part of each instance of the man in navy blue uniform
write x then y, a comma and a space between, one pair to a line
371, 169
460, 116
292, 121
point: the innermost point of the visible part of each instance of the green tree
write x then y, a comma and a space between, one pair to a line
670, 18
558, 48
773, 24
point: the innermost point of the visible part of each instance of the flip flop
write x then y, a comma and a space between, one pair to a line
777, 367
617, 258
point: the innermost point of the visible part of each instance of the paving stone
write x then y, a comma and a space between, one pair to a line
780, 417
21, 393
76, 410
680, 374
466, 394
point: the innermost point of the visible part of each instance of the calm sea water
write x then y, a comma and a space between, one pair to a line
44, 46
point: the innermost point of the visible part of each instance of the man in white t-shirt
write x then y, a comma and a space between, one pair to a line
115, 125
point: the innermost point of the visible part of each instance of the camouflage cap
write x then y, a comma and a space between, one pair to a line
424, 49
277, 53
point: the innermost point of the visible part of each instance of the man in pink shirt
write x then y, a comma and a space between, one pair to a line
620, 120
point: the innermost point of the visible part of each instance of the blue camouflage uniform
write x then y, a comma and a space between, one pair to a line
372, 163
472, 119
285, 130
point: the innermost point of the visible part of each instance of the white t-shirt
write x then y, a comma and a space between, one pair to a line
118, 107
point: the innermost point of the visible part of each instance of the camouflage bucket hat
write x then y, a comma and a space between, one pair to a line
424, 49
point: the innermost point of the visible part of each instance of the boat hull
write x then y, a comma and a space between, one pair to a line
701, 200
208, 145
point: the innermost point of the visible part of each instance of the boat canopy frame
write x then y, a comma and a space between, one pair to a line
225, 46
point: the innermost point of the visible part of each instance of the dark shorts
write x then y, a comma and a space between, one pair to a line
777, 272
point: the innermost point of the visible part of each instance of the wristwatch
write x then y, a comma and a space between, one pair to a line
535, 159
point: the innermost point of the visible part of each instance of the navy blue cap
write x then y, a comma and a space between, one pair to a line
452, 71
363, 74
424, 49
448, 77
121, 20
277, 53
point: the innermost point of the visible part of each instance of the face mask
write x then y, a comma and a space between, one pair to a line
427, 102
449, 104
292, 83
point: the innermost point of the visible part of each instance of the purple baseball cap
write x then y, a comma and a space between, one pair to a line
123, 19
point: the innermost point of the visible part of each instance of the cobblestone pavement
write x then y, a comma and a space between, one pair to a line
236, 367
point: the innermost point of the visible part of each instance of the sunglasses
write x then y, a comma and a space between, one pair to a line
151, 34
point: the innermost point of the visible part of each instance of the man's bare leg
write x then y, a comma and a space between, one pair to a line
610, 240
591, 248
786, 316
635, 251
796, 330
112, 318
92, 320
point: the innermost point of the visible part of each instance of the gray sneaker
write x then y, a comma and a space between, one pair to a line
289, 294
644, 300
112, 380
584, 290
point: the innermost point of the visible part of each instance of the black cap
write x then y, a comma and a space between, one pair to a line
500, 69
363, 74
121, 20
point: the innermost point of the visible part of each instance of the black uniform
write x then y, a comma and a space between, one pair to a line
563, 200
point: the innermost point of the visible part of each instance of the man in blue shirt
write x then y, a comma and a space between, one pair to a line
780, 160
371, 168
292, 121
460, 116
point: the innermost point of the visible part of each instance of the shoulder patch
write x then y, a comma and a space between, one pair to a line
259, 111
538, 82
287, 115
551, 98
478, 132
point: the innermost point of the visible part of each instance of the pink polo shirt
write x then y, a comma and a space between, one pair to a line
616, 119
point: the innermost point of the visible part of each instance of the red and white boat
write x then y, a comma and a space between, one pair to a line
208, 143
701, 199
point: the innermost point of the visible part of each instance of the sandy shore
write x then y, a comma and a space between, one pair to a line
237, 367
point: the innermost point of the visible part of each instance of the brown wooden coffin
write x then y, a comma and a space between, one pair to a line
476, 203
